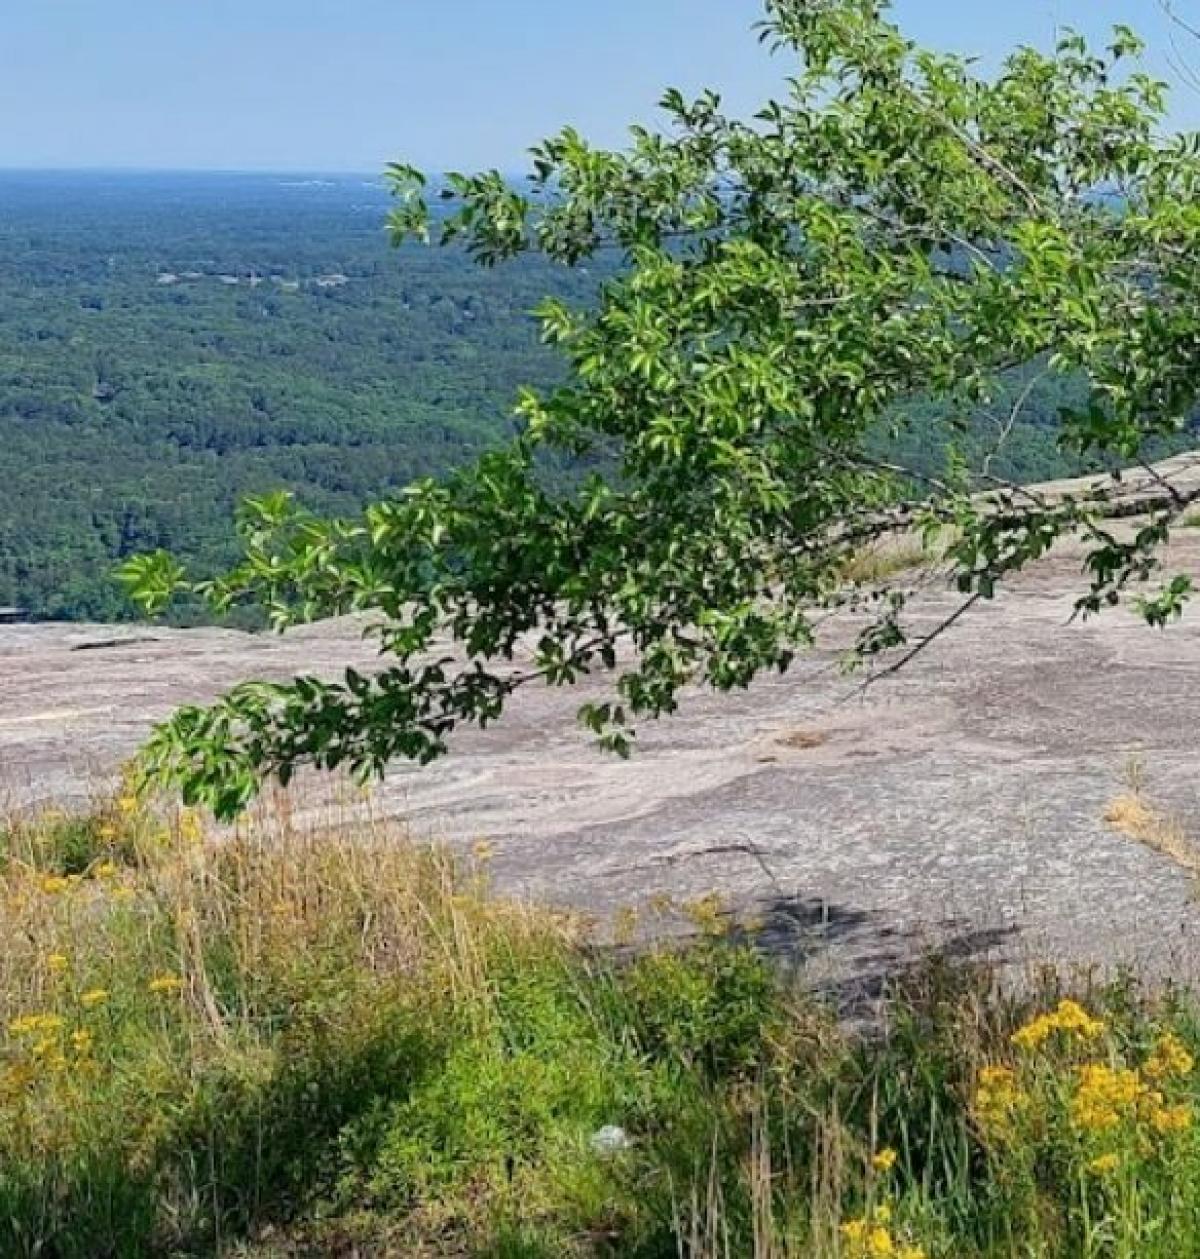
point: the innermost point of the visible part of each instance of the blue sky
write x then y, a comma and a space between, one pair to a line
349, 84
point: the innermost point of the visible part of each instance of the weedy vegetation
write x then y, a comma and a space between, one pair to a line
278, 1041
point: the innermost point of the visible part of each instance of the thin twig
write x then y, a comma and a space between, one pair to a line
1013, 416
915, 651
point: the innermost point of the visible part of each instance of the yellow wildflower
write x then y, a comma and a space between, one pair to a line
82, 1041
106, 870
880, 1243
123, 894
1169, 1058
1104, 1094
997, 1077
1072, 1017
912, 1252
1104, 1164
1068, 1017
53, 884
127, 804
57, 963
106, 831
998, 1100
93, 997
16, 1078
884, 1160
32, 1024
1033, 1033
1169, 1119
191, 830
868, 1238
162, 984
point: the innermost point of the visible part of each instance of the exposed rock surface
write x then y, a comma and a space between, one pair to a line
957, 804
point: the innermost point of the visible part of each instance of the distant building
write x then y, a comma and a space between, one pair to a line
11, 616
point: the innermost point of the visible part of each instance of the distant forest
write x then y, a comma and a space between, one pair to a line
169, 345
172, 344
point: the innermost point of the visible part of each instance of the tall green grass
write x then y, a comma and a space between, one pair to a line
281, 1041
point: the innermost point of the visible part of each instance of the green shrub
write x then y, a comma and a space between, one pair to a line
710, 1006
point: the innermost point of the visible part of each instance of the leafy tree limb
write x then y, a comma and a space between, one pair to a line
894, 229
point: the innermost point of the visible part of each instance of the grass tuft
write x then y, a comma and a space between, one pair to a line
1131, 815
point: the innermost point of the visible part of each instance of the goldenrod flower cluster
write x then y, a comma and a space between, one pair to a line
871, 1237
1115, 1111
999, 1100
1068, 1019
1104, 1164
1169, 1059
47, 1046
1105, 1095
35, 1024
1108, 1096
104, 872
57, 884
1166, 1120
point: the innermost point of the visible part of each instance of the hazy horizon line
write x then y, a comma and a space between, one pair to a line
309, 171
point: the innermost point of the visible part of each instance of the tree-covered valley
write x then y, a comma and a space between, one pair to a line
170, 344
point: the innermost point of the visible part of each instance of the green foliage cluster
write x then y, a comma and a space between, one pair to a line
136, 414
895, 240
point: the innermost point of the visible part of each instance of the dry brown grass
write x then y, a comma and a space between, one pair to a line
903, 552
875, 563
803, 740
1132, 816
